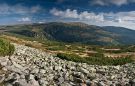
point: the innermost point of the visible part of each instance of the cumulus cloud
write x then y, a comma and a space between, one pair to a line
25, 19
68, 13
18, 9
111, 2
128, 17
115, 19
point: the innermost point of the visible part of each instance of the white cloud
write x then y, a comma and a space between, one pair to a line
123, 19
110, 2
35, 9
65, 14
18, 9
68, 13
25, 19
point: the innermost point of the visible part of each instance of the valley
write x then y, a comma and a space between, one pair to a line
112, 51
67, 42
39, 58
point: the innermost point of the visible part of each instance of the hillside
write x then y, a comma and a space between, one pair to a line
55, 63
126, 36
74, 32
32, 67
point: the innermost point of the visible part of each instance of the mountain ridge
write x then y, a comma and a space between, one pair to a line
73, 32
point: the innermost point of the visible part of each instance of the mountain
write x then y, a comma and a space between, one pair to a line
126, 36
75, 32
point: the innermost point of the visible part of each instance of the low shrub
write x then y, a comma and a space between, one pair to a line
98, 59
70, 57
28, 44
6, 48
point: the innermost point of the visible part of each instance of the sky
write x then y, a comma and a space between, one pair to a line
94, 12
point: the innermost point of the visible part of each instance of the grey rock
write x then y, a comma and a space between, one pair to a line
65, 84
92, 70
3, 61
60, 80
42, 71
85, 71
8, 84
78, 80
79, 75
88, 82
31, 77
22, 82
58, 67
2, 77
12, 77
101, 84
18, 84
35, 71
43, 82
33, 83
32, 67
132, 82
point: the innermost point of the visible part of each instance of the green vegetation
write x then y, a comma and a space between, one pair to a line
73, 33
98, 59
6, 48
89, 44
70, 57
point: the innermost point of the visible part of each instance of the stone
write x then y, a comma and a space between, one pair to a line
58, 67
42, 71
33, 83
22, 82
31, 77
117, 67
16, 76
71, 78
22, 76
91, 76
43, 82
78, 80
8, 84
84, 71
14, 69
132, 82
65, 84
92, 70
101, 71
2, 77
37, 68
3, 61
35, 71
88, 82
112, 77
101, 84
60, 80
17, 84
12, 77
79, 75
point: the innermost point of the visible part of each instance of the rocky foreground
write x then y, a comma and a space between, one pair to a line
32, 67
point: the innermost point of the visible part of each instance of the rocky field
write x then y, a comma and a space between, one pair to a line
32, 67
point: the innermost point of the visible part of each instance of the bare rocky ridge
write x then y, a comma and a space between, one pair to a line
32, 67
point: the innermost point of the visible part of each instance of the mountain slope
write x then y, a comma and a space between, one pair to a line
75, 32
126, 36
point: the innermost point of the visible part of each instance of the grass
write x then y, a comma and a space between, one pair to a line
92, 58
6, 48
97, 59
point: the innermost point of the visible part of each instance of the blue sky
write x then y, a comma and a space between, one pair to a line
96, 12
